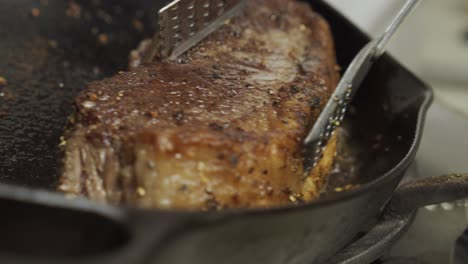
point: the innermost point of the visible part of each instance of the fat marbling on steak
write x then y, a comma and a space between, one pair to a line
220, 127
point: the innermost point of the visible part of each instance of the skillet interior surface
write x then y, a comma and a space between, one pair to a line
48, 59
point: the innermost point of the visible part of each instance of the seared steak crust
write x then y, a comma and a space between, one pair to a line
221, 126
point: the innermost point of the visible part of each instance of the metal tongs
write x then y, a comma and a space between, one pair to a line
333, 114
181, 24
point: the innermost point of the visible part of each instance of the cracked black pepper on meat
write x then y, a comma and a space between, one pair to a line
220, 127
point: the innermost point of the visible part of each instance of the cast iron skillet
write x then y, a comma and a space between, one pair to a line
47, 60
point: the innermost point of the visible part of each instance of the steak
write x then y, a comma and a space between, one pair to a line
222, 126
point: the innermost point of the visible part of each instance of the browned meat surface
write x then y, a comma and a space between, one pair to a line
221, 127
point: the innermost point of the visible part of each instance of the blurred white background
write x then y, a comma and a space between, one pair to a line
433, 43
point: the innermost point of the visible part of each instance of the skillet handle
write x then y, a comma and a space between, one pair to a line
399, 213
428, 191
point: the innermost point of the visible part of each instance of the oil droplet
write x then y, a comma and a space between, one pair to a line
35, 12
3, 81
